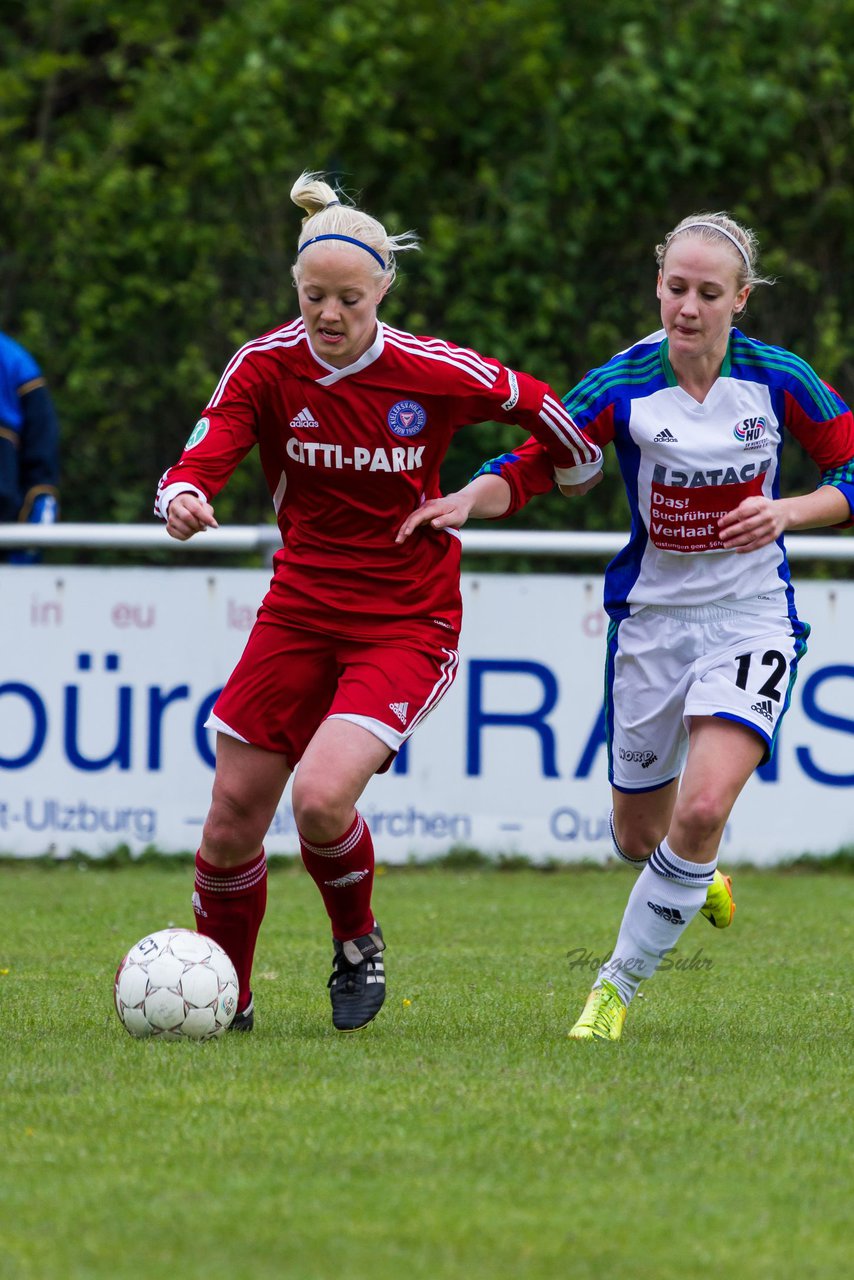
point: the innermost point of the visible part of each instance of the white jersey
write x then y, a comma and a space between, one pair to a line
685, 464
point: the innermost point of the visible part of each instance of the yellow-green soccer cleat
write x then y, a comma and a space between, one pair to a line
719, 907
602, 1017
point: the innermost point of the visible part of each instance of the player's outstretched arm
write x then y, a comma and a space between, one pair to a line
188, 515
486, 497
758, 520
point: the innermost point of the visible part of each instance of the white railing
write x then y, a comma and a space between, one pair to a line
265, 538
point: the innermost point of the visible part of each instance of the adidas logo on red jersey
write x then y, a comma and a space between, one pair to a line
303, 420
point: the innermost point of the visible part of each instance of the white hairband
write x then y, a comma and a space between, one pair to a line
714, 226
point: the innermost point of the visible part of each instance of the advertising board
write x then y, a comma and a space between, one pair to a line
108, 675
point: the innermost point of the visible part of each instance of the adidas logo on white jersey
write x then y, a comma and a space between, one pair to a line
303, 420
765, 708
665, 437
400, 709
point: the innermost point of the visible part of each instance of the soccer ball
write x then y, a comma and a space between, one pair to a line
178, 985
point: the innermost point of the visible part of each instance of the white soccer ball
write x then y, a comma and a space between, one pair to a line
178, 985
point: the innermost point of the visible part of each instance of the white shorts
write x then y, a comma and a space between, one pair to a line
667, 664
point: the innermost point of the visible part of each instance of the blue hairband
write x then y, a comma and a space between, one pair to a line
349, 239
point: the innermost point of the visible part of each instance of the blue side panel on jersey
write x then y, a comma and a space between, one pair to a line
778, 401
623, 571
631, 374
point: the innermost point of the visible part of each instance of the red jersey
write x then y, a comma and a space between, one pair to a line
348, 454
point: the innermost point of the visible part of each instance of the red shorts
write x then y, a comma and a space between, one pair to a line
288, 681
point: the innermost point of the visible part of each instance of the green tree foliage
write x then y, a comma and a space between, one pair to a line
540, 148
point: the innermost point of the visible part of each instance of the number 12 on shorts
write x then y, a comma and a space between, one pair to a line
771, 658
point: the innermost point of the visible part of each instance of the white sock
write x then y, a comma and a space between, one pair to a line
667, 895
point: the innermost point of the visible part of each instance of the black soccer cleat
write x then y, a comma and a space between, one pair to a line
245, 1020
357, 984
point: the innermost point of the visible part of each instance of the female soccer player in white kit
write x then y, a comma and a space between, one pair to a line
704, 639
356, 639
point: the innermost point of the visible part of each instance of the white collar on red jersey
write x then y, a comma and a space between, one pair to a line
373, 353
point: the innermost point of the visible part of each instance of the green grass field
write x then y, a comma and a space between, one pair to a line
462, 1135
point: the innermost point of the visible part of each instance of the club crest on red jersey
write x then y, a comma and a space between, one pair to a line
407, 418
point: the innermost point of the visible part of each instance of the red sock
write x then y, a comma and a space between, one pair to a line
344, 873
229, 903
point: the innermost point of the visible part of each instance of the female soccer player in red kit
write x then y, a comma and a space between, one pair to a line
356, 639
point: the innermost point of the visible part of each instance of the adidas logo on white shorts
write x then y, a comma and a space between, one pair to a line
765, 708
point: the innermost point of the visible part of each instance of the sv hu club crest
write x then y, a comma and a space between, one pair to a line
750, 431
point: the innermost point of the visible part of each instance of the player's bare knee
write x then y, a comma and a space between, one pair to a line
317, 817
636, 833
320, 811
230, 830
702, 818
639, 841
